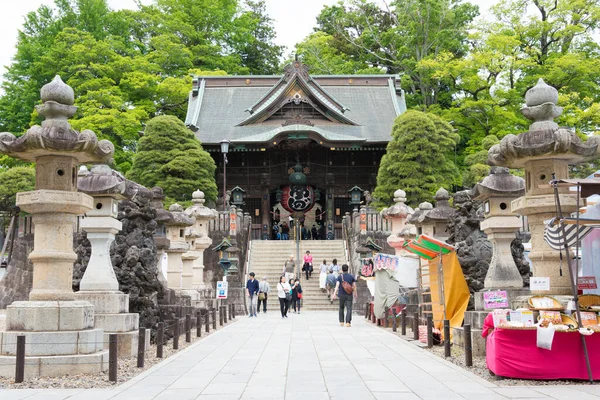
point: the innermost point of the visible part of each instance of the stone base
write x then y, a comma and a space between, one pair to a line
512, 295
117, 322
477, 342
49, 316
63, 343
127, 343
106, 302
57, 365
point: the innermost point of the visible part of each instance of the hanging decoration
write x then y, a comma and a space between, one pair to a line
298, 198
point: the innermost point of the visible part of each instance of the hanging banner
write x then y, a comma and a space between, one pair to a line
385, 261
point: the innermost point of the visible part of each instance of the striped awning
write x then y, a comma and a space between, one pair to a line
554, 236
427, 247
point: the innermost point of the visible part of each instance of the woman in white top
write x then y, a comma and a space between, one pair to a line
335, 268
323, 275
283, 292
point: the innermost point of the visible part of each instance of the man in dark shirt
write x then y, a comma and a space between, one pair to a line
252, 288
345, 298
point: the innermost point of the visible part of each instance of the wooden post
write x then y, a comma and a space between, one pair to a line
160, 339
415, 326
394, 322
403, 322
385, 317
429, 331
225, 308
468, 346
20, 365
141, 347
112, 357
214, 318
188, 328
206, 321
446, 338
220, 315
198, 324
233, 310
367, 310
176, 334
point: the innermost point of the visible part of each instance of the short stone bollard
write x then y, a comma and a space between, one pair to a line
141, 351
160, 339
113, 350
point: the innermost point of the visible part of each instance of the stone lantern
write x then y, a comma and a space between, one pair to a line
187, 259
237, 196
62, 327
99, 284
543, 150
398, 213
176, 227
202, 215
355, 195
496, 192
438, 217
419, 219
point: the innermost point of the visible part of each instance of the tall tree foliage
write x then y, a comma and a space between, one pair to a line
129, 66
170, 156
418, 158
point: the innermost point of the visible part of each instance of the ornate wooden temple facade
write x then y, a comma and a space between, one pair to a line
299, 143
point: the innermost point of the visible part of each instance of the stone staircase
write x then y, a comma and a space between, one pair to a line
268, 256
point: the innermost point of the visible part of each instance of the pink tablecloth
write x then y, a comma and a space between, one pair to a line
514, 354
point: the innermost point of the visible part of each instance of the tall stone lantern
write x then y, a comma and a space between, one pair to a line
99, 284
541, 151
202, 215
62, 326
398, 213
176, 228
160, 232
496, 192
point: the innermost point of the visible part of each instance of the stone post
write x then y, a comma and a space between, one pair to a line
202, 215
52, 315
398, 213
496, 192
99, 284
176, 235
541, 151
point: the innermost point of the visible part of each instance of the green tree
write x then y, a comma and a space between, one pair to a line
418, 159
170, 156
12, 181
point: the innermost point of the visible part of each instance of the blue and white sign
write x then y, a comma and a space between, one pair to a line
222, 287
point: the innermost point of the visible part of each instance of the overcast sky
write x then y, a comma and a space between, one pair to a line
294, 19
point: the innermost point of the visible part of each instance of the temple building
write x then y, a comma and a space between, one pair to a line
298, 143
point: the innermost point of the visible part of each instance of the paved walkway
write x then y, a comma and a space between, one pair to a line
307, 357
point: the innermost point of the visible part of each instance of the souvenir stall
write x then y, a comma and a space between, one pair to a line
443, 290
560, 342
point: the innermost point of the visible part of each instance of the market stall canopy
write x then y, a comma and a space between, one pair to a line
427, 247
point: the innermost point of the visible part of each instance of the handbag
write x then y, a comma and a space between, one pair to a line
288, 296
261, 296
347, 287
299, 295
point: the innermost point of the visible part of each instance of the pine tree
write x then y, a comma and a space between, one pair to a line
170, 156
418, 159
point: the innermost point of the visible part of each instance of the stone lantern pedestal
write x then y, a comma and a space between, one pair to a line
541, 151
398, 213
59, 330
99, 284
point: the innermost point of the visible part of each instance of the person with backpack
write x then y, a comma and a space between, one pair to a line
263, 294
330, 283
346, 291
296, 294
284, 294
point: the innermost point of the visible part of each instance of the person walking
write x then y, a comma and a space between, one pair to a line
296, 295
252, 289
289, 268
330, 285
345, 288
263, 293
323, 275
335, 268
283, 293
307, 266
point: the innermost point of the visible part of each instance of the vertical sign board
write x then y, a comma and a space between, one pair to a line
222, 287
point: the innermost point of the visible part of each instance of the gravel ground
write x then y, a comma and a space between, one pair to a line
127, 369
479, 368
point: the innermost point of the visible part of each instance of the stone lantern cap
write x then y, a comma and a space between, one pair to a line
400, 209
224, 245
544, 140
500, 182
369, 246
442, 210
101, 181
178, 217
56, 137
409, 231
198, 209
420, 213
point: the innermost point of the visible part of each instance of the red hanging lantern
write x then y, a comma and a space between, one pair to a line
298, 198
